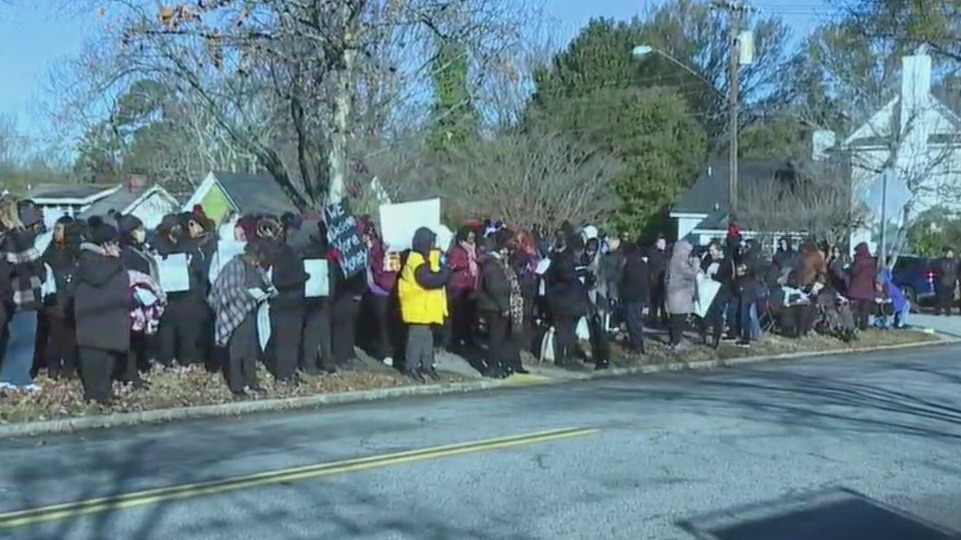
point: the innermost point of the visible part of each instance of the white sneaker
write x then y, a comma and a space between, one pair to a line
389, 361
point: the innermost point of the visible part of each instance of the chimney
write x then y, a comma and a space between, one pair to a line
137, 183
915, 87
822, 140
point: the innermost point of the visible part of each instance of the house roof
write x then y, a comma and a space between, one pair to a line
866, 135
40, 192
709, 194
254, 193
118, 201
122, 200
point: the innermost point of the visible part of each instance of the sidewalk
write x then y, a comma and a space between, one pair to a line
949, 326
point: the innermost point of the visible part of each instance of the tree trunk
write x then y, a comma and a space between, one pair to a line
337, 152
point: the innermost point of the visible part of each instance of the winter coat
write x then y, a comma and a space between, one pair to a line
566, 294
634, 285
288, 277
494, 293
898, 300
812, 269
102, 301
863, 273
63, 263
461, 262
681, 279
610, 268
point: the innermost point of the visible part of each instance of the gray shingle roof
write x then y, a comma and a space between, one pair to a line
709, 194
118, 201
255, 193
66, 191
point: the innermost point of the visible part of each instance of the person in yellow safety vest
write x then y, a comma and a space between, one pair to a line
423, 302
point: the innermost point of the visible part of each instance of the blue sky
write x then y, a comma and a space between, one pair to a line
34, 35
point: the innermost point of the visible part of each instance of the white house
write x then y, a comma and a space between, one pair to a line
149, 203
916, 138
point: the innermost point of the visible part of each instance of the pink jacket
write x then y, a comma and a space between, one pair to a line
464, 265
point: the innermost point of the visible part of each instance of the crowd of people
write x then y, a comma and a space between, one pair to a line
95, 294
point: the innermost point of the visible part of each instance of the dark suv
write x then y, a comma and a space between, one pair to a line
915, 276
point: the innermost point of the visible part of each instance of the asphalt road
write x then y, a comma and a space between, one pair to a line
653, 457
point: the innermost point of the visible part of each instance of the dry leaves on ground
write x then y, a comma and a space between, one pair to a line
183, 387
770, 344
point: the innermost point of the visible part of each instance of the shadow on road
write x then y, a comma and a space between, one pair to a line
335, 507
909, 398
835, 514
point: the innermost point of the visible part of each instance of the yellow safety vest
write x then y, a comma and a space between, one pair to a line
417, 304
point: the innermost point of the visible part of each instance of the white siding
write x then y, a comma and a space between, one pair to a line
686, 224
153, 208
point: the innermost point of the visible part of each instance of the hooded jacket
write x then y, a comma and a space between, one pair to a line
635, 279
863, 274
420, 287
681, 280
494, 293
102, 301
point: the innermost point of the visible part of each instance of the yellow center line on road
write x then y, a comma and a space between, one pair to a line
56, 512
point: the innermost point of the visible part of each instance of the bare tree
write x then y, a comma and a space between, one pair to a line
523, 178
812, 198
309, 68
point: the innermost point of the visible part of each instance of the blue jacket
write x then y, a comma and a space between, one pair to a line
897, 297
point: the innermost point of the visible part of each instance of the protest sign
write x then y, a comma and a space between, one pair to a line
343, 235
398, 222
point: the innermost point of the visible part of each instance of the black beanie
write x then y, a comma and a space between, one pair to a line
99, 232
127, 224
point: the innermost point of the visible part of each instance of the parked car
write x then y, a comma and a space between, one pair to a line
915, 276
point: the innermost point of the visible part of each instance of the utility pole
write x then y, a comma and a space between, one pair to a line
735, 10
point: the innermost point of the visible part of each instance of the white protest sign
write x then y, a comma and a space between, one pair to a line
398, 222
319, 283
174, 273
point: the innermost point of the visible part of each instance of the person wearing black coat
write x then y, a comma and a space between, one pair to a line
58, 347
181, 335
286, 310
657, 259
317, 352
493, 304
946, 279
136, 256
634, 288
567, 299
102, 310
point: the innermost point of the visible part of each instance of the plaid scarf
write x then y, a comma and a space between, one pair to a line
27, 270
230, 300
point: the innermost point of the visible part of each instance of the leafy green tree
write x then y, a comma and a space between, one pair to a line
781, 137
935, 229
455, 119
594, 91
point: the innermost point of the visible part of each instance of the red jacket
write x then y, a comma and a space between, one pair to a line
459, 261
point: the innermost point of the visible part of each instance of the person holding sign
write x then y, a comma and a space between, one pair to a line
235, 298
286, 309
423, 302
183, 270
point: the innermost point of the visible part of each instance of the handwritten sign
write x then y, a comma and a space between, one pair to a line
343, 235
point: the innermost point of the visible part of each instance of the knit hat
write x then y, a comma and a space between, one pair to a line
99, 232
127, 224
168, 223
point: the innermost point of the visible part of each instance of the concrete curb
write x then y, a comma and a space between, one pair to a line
732, 362
70, 425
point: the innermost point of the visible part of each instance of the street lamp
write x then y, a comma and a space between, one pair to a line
643, 51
